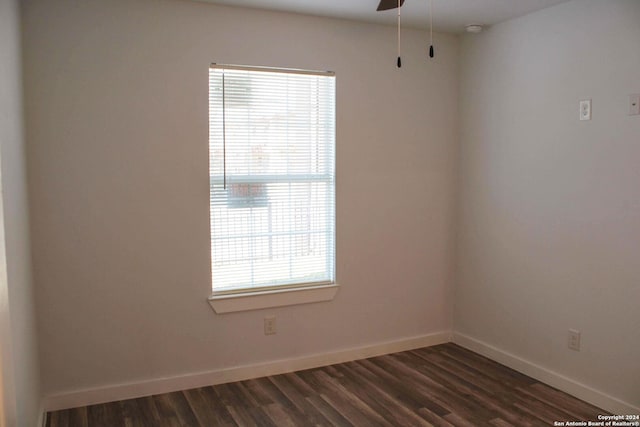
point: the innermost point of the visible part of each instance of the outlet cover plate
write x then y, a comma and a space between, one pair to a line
270, 325
573, 340
585, 109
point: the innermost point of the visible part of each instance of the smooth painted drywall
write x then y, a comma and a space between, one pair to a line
116, 101
549, 217
18, 341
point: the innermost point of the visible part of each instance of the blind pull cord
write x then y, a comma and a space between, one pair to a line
399, 44
224, 135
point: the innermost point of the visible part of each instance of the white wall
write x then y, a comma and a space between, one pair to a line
117, 118
19, 381
549, 231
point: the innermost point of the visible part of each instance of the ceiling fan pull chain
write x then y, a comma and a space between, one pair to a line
399, 45
432, 52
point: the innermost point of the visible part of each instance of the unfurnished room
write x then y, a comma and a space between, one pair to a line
319, 213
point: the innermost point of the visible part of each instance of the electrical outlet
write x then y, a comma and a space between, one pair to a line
585, 109
574, 340
270, 325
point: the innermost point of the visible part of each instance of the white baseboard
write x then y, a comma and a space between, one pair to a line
574, 388
132, 390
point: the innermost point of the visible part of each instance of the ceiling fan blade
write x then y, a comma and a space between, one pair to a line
388, 4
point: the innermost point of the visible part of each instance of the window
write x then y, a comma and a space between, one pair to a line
272, 181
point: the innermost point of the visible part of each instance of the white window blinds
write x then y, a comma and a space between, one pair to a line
271, 169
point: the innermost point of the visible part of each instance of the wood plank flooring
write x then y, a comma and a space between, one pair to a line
444, 385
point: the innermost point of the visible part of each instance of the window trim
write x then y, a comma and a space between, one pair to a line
255, 300
272, 70
246, 299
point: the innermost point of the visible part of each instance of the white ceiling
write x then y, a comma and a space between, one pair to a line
449, 15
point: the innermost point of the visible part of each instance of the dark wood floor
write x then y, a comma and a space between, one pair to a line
443, 385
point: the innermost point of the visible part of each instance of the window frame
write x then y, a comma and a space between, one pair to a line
242, 299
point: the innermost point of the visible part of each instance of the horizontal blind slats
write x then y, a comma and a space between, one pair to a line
272, 142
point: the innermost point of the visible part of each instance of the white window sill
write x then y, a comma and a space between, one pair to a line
273, 298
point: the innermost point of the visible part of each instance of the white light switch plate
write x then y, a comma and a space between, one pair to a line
634, 105
585, 109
